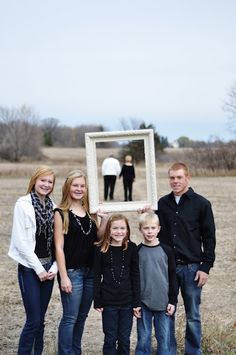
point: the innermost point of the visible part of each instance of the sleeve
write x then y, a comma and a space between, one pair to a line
54, 267
133, 172
135, 276
103, 168
22, 238
118, 168
122, 171
173, 288
97, 278
208, 238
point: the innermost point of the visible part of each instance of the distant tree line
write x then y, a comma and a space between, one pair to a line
136, 148
56, 135
23, 133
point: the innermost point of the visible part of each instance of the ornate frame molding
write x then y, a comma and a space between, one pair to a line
91, 139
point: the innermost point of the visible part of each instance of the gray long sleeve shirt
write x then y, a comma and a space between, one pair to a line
157, 276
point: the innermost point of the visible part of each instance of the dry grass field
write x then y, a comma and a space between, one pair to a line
219, 295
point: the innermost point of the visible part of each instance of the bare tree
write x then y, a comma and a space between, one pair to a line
230, 106
130, 123
20, 135
49, 127
79, 133
217, 157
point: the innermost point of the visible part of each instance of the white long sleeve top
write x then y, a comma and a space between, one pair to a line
23, 239
111, 166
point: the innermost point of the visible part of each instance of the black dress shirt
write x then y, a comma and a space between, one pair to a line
189, 228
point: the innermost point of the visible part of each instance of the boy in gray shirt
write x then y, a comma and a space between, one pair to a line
158, 287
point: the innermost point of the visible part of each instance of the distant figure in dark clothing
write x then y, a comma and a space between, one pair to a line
110, 171
128, 174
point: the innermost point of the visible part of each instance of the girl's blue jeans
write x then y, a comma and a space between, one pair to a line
76, 306
36, 296
161, 323
117, 324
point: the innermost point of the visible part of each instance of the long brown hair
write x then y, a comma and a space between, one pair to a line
40, 171
105, 242
66, 200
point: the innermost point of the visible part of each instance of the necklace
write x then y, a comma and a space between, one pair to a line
81, 227
122, 268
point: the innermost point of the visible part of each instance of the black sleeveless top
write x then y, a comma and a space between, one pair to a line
79, 241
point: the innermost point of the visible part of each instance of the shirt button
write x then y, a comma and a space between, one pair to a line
176, 212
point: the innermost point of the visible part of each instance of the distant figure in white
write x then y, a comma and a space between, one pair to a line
110, 170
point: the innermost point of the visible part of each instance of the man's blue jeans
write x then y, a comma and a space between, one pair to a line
161, 323
76, 306
191, 294
117, 324
36, 296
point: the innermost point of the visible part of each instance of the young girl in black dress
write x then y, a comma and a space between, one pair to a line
116, 284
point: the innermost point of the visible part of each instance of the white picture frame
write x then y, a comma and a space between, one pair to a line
91, 139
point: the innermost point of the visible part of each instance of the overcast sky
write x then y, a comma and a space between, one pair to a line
170, 63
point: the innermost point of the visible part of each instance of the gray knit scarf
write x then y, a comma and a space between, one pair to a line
44, 218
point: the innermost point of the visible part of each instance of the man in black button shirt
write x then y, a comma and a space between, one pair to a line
187, 224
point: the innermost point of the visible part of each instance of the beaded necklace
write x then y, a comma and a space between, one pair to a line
81, 227
122, 269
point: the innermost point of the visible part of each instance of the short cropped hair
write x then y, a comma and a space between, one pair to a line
148, 217
179, 165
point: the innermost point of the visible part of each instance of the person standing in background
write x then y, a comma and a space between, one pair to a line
187, 225
110, 170
32, 247
128, 173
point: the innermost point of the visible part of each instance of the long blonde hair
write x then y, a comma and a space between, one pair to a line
105, 242
40, 171
66, 200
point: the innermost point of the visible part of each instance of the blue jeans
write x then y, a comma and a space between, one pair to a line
76, 306
36, 296
117, 325
191, 294
161, 323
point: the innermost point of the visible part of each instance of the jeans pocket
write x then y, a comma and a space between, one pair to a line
179, 268
22, 268
70, 271
193, 267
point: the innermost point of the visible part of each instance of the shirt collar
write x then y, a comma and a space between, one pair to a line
188, 194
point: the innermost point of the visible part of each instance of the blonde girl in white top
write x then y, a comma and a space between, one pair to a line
32, 247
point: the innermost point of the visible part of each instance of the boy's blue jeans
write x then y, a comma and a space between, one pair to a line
76, 306
191, 294
36, 296
117, 324
144, 330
